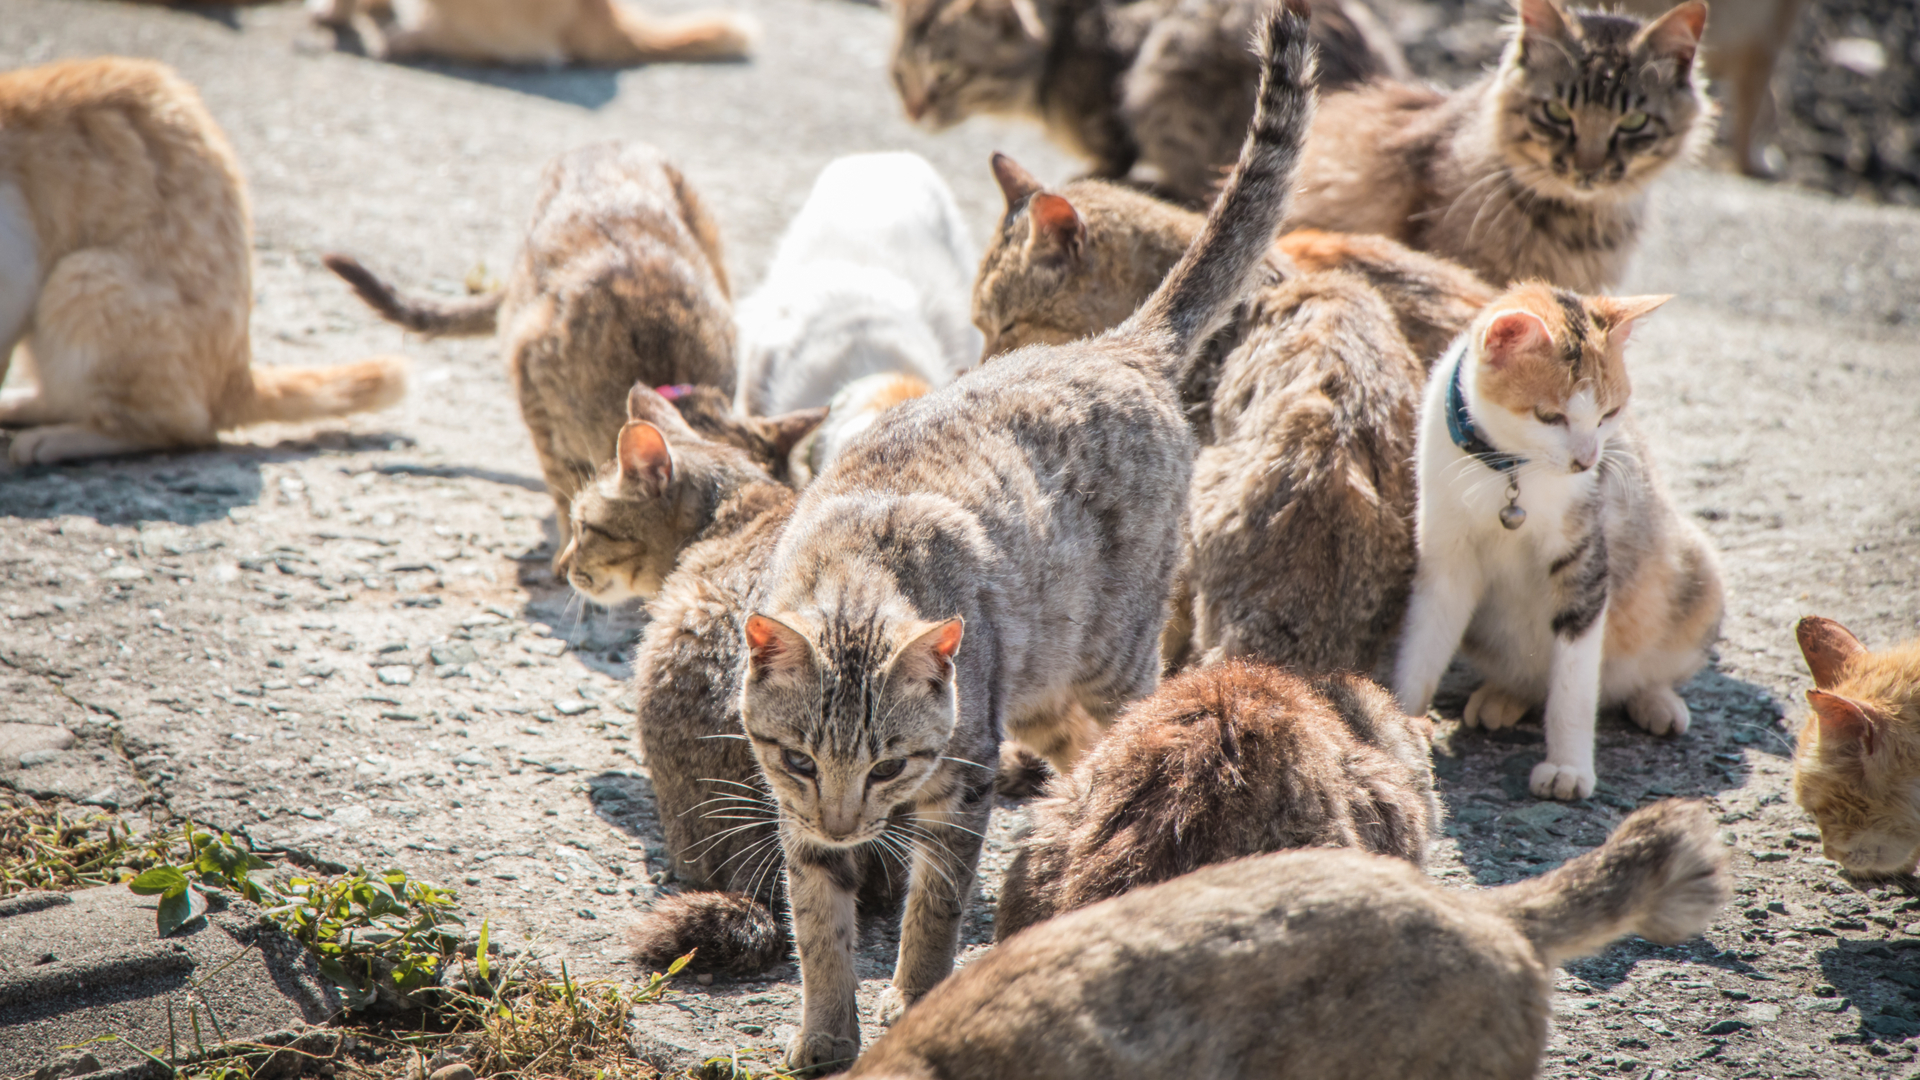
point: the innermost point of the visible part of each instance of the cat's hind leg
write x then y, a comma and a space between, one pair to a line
1493, 708
1660, 710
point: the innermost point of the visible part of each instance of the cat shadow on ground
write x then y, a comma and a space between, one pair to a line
1877, 983
589, 88
623, 798
184, 487
1505, 834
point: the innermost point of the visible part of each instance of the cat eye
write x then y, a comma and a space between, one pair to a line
1633, 121
887, 770
1611, 414
1549, 417
798, 763
1558, 113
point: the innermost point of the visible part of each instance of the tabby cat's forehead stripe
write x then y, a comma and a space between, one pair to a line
1579, 327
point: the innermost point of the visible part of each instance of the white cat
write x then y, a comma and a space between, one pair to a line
872, 276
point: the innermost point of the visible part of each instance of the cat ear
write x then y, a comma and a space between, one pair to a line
775, 651
1844, 720
1827, 646
644, 458
1542, 20
656, 407
786, 430
1056, 232
1512, 335
928, 658
1675, 36
1016, 183
1621, 311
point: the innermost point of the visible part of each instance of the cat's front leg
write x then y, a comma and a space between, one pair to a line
946, 859
821, 887
1437, 616
1573, 699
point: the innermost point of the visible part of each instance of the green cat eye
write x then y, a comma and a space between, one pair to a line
798, 763
1558, 113
1633, 121
887, 770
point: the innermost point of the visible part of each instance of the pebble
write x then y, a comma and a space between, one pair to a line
1763, 1012
455, 1071
394, 674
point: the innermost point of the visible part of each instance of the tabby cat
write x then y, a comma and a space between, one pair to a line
1335, 965
621, 281
1163, 83
1854, 769
1538, 170
126, 273
550, 32
1226, 761
769, 440
1548, 549
1032, 510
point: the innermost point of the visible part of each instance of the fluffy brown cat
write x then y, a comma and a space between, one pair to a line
1538, 170
551, 32
125, 273
1858, 759
1309, 414
1335, 965
1164, 83
1231, 760
621, 282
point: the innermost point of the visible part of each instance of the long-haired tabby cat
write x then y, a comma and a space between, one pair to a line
1165, 83
125, 273
1309, 415
1548, 549
551, 32
620, 282
1335, 965
1030, 510
1857, 764
1538, 170
1226, 761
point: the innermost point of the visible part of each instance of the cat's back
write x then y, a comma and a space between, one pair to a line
1369, 159
618, 207
890, 210
1322, 963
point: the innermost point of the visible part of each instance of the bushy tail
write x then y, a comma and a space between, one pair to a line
461, 318
639, 38
1218, 268
733, 934
1662, 875
292, 394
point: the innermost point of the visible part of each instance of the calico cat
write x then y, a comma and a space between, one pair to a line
1231, 760
1308, 415
1335, 965
1548, 550
1853, 769
1538, 170
550, 32
125, 273
870, 278
621, 281
1031, 509
1163, 83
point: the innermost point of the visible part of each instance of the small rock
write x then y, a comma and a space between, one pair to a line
17, 740
1818, 1004
456, 1071
125, 572
471, 757
453, 652
705, 978
38, 757
1763, 1012
1725, 1027
573, 708
1769, 856
585, 913
352, 815
394, 674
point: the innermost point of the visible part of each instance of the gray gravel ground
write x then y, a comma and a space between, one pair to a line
342, 637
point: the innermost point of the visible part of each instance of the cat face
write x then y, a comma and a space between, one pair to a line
850, 724
1550, 379
1592, 105
1853, 768
955, 58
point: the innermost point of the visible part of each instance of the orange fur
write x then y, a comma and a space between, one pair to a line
600, 32
128, 259
1585, 354
1858, 756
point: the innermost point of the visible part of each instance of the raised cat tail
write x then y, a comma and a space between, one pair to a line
461, 318
1218, 268
293, 394
733, 933
1662, 875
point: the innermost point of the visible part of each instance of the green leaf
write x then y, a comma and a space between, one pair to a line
481, 955
674, 968
177, 909
160, 879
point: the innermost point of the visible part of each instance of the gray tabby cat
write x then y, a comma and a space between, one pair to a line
1032, 508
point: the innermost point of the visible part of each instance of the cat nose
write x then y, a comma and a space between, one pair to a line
916, 105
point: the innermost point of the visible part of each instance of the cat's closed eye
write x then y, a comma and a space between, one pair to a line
1611, 413
1554, 418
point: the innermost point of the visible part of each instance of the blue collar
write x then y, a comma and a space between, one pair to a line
1465, 436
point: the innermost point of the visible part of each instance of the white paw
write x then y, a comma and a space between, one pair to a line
893, 1005
1551, 781
1659, 710
1492, 708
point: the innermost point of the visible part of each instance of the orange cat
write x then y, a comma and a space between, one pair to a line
125, 275
553, 32
1859, 754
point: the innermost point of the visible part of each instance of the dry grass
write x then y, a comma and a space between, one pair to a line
45, 846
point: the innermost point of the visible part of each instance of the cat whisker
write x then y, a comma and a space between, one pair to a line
964, 761
742, 738
919, 819
757, 791
707, 844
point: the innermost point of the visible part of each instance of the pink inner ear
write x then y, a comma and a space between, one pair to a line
1514, 334
1676, 35
1542, 17
1844, 720
1055, 220
644, 455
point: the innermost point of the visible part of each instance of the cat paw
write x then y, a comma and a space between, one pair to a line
893, 1005
819, 1053
1493, 708
1660, 711
1551, 781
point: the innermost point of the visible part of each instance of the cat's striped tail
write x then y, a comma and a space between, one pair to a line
1662, 875
1218, 268
728, 933
459, 318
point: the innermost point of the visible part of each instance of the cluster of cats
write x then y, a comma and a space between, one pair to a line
1150, 517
